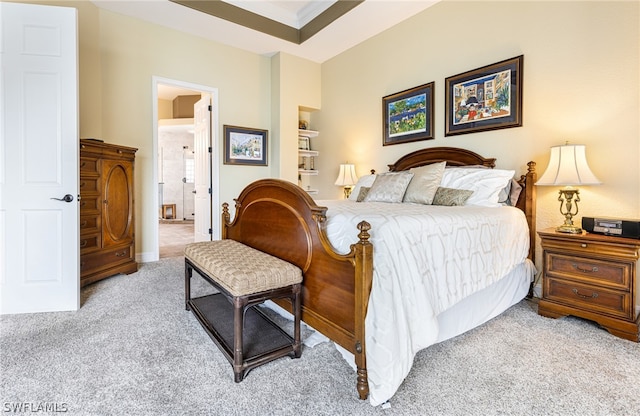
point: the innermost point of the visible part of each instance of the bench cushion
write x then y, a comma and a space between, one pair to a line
240, 269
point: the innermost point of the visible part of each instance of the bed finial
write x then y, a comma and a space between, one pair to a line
364, 228
532, 167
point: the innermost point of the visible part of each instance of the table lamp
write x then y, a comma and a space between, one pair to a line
568, 167
347, 178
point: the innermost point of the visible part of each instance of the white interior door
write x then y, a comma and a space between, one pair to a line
39, 271
202, 183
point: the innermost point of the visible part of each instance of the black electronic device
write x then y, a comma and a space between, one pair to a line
619, 227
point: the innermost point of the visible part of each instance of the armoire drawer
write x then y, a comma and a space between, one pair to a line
88, 165
105, 259
89, 223
90, 205
89, 242
88, 184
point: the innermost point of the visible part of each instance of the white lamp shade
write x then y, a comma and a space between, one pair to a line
347, 175
567, 167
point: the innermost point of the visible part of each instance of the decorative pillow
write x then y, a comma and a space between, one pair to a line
389, 187
364, 191
424, 184
451, 197
366, 180
486, 184
509, 194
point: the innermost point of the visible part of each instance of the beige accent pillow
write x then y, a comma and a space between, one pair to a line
424, 184
363, 193
389, 187
366, 180
451, 197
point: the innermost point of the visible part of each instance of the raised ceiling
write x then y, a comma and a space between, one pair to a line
325, 28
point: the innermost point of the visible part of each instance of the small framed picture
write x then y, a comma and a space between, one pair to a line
303, 143
245, 146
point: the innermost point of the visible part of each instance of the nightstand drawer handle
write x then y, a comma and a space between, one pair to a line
593, 269
593, 294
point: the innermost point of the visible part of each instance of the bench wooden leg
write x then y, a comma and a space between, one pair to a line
188, 272
238, 326
296, 304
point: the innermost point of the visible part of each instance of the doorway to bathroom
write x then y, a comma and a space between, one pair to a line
186, 174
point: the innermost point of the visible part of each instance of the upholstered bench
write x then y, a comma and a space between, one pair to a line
244, 277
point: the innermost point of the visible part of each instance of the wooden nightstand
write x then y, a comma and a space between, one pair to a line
593, 277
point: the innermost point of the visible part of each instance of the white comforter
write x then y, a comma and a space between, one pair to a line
426, 259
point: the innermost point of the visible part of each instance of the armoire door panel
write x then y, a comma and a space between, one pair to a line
118, 203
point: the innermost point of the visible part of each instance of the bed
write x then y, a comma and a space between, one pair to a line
279, 218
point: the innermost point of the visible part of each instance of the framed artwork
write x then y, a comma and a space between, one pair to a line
407, 116
303, 143
486, 98
245, 146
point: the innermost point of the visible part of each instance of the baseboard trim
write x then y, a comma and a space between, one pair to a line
147, 257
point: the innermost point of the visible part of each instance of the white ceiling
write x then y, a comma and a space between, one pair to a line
362, 22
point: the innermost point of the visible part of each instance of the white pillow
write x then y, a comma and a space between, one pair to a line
425, 183
389, 187
486, 184
366, 180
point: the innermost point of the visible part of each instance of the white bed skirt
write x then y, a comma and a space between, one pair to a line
480, 307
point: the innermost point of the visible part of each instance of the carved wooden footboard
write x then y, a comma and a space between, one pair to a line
279, 218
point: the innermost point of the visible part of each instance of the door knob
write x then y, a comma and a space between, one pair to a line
66, 198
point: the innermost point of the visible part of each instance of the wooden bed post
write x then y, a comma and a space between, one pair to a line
363, 281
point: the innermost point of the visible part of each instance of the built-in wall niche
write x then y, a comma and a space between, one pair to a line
176, 167
306, 152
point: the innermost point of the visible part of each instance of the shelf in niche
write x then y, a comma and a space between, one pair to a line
307, 172
312, 191
307, 133
308, 153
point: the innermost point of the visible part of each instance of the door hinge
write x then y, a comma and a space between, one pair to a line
210, 230
210, 107
210, 149
210, 191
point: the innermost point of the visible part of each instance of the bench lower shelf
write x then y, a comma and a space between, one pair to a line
263, 340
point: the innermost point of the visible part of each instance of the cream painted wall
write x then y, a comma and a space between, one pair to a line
581, 84
295, 84
132, 52
165, 109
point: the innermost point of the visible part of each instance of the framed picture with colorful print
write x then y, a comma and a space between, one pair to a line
245, 146
485, 98
407, 116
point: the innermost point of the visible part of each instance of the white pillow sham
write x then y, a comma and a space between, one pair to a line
486, 184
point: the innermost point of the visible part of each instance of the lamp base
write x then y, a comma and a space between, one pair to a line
569, 229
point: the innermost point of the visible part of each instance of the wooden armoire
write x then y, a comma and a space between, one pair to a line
107, 227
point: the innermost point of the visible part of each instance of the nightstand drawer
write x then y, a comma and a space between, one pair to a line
592, 298
614, 275
584, 247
